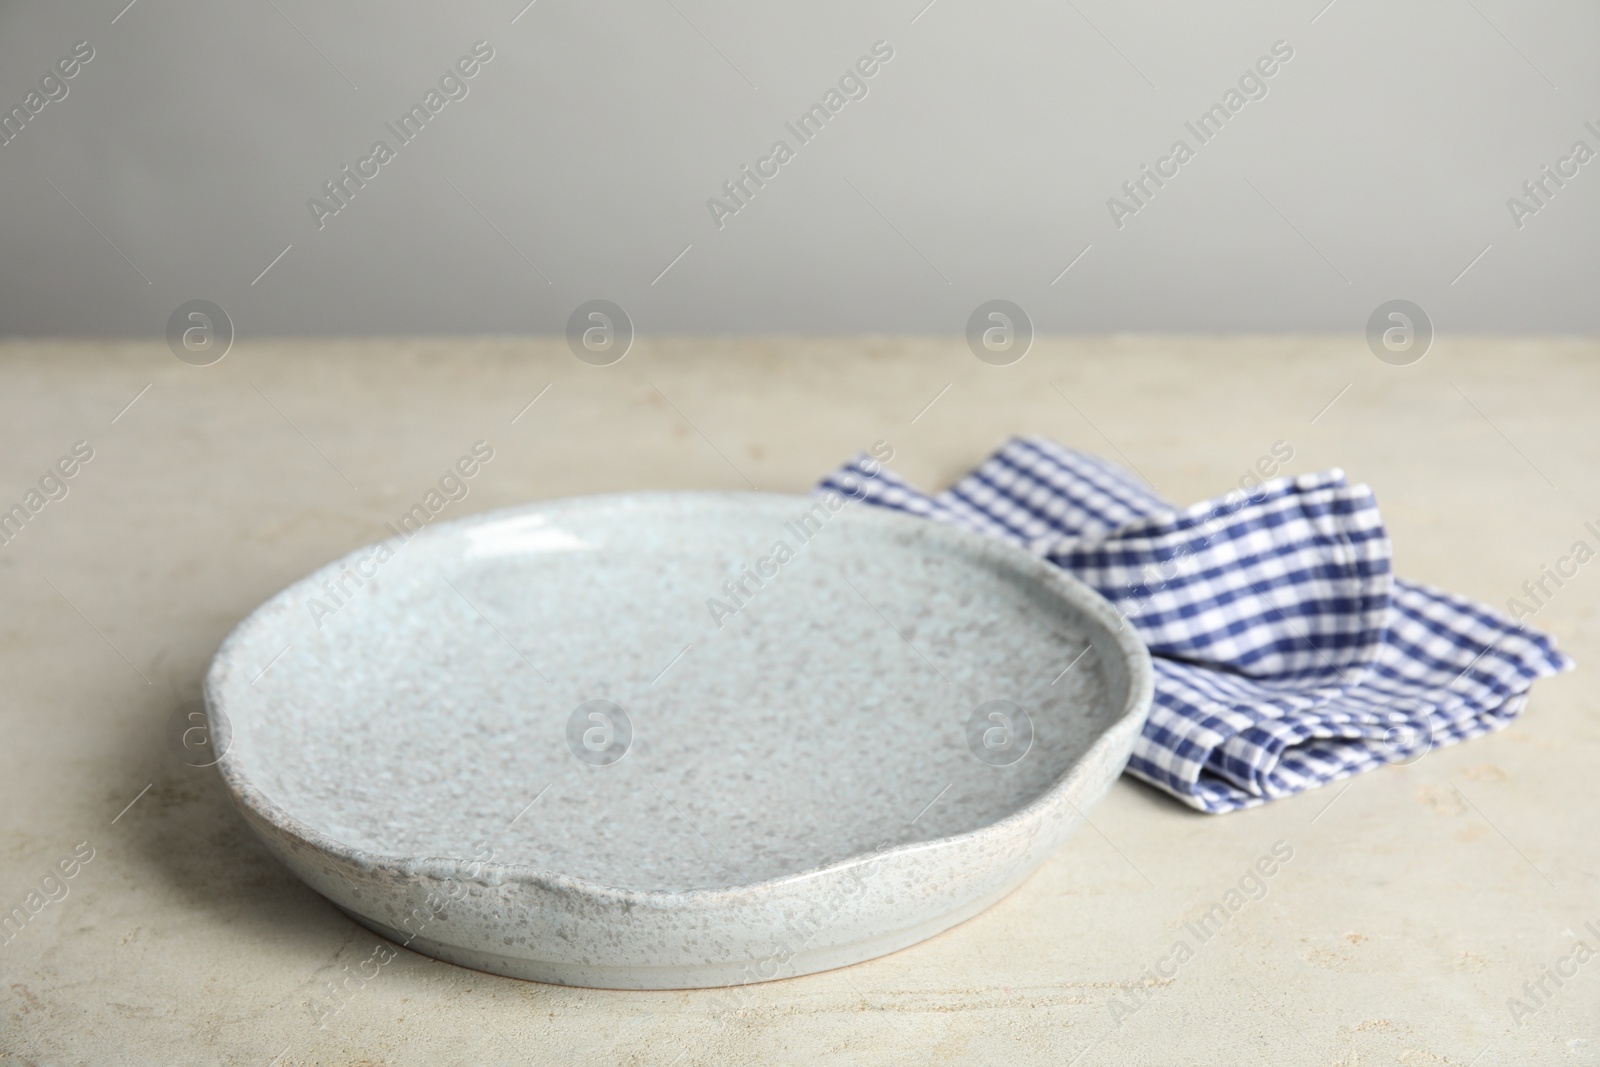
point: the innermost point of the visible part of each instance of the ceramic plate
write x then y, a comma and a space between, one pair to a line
674, 740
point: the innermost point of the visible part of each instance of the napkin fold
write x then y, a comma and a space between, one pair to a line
1286, 653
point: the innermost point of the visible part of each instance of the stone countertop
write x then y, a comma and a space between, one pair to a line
1417, 903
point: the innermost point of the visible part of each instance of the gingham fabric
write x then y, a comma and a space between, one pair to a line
1287, 655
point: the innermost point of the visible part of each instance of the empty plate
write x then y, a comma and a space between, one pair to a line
676, 739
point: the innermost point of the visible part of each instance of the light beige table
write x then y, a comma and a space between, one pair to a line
1417, 903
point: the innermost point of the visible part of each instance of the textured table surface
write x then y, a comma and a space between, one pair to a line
1419, 906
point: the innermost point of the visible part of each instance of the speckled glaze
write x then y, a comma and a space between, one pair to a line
798, 793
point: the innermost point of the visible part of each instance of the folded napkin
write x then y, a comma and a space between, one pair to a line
1287, 655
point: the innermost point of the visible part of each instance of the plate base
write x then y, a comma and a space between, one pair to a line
696, 976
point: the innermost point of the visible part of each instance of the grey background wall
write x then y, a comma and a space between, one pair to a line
978, 165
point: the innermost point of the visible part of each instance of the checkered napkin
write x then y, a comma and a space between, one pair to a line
1287, 655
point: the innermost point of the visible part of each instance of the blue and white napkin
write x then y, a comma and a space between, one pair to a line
1287, 655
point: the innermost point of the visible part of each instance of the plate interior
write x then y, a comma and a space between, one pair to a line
424, 710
